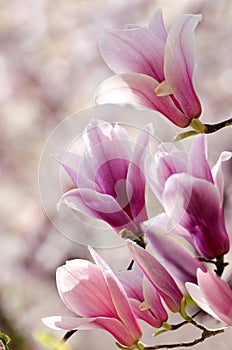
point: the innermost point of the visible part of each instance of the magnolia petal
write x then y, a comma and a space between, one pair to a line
220, 301
100, 206
126, 336
180, 63
138, 90
70, 162
217, 173
144, 314
168, 225
78, 169
178, 260
198, 155
76, 280
158, 276
153, 301
111, 325
156, 25
132, 283
107, 155
100, 132
199, 298
133, 50
165, 164
118, 295
136, 178
199, 211
69, 323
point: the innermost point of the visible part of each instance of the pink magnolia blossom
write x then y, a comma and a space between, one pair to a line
144, 298
192, 195
213, 295
93, 292
109, 176
158, 276
154, 68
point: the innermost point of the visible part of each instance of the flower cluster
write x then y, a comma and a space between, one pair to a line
172, 253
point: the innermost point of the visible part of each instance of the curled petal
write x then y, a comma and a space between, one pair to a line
138, 90
99, 206
69, 323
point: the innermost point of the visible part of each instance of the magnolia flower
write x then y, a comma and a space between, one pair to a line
109, 176
158, 276
192, 195
154, 68
213, 295
95, 294
144, 298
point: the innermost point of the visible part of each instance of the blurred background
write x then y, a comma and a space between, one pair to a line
49, 68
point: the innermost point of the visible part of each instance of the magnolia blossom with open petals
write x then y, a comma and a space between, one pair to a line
192, 195
144, 298
213, 295
94, 293
154, 68
109, 176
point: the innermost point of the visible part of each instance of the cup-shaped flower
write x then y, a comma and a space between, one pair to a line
93, 292
213, 295
158, 276
192, 195
154, 68
144, 298
109, 176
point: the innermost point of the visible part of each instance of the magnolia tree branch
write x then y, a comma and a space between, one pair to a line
205, 334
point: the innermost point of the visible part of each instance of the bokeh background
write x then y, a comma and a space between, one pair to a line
49, 68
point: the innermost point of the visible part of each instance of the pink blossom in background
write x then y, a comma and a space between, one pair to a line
154, 68
93, 292
192, 195
144, 298
213, 295
109, 176
158, 276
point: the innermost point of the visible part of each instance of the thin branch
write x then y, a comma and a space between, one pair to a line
210, 128
205, 334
